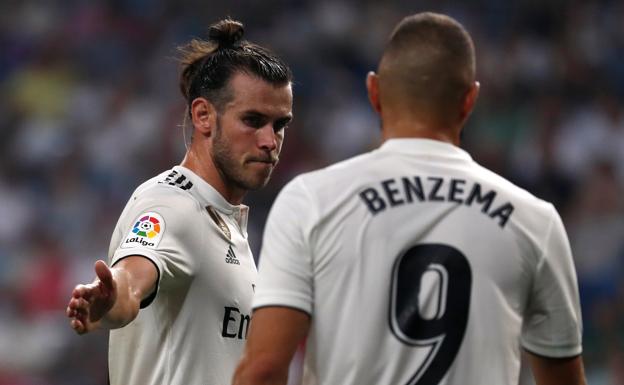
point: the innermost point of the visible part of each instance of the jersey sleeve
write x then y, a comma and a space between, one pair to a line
285, 266
159, 231
552, 325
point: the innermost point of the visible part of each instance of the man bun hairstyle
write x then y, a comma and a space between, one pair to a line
208, 65
226, 33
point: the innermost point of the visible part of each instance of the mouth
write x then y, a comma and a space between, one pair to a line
262, 165
267, 161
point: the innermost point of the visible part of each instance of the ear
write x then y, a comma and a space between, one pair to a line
469, 101
203, 115
372, 85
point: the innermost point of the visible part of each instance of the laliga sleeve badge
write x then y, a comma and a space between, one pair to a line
147, 232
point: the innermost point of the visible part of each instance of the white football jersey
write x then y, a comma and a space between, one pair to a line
418, 266
193, 328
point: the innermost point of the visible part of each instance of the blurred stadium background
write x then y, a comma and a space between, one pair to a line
89, 108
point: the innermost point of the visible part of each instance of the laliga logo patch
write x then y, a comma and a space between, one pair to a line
146, 232
147, 226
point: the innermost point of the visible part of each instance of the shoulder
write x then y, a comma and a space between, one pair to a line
308, 193
170, 199
532, 214
507, 187
337, 175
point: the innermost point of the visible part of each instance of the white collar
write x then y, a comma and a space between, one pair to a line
209, 196
427, 147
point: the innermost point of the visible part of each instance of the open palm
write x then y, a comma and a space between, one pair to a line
90, 303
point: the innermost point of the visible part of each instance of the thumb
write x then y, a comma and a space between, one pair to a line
104, 274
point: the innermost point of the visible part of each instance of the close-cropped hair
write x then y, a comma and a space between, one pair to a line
429, 59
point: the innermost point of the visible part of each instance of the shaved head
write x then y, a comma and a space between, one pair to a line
427, 67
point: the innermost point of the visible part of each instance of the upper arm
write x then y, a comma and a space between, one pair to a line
142, 276
552, 324
281, 327
284, 297
557, 371
274, 335
286, 266
160, 226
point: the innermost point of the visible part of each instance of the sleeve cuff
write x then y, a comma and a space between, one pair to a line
564, 351
297, 302
153, 258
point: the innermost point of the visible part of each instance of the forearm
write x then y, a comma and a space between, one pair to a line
257, 372
136, 278
127, 304
557, 371
113, 299
274, 335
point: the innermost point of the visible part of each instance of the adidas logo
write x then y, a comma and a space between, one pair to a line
230, 257
176, 179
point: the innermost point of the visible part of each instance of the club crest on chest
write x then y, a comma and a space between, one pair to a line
219, 222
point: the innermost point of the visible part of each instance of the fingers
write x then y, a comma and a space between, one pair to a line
77, 310
86, 299
84, 291
105, 275
78, 304
78, 326
78, 307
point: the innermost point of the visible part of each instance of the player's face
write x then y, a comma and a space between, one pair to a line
250, 131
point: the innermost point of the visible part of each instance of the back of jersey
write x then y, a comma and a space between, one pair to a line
418, 266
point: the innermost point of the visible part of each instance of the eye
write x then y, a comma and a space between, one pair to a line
280, 127
254, 121
281, 124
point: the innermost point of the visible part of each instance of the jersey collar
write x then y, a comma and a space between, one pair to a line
209, 196
420, 146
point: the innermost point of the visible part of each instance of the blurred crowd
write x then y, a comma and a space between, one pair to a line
90, 108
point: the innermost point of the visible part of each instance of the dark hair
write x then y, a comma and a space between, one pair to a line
207, 66
430, 61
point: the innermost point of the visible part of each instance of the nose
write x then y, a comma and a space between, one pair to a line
267, 138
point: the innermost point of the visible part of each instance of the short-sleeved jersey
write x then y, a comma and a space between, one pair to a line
192, 329
418, 266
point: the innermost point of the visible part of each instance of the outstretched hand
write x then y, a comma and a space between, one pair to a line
90, 303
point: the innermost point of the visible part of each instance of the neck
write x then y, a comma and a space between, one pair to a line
410, 127
203, 166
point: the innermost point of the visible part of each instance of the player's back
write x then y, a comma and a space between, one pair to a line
428, 269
